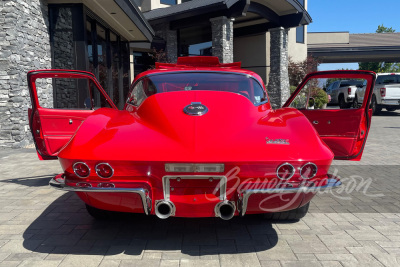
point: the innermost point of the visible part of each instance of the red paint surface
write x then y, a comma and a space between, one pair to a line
137, 142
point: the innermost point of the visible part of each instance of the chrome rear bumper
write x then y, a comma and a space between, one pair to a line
58, 182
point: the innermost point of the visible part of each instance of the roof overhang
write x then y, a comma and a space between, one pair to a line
341, 47
251, 17
121, 15
361, 54
263, 15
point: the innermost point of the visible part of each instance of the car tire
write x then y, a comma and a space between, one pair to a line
390, 109
342, 103
98, 214
289, 215
375, 109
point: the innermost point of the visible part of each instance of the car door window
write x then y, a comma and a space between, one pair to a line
69, 93
312, 95
344, 131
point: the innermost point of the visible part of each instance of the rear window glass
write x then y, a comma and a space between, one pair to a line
241, 84
388, 79
351, 83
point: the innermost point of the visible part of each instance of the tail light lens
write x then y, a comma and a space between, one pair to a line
349, 90
104, 170
285, 171
81, 169
308, 171
383, 92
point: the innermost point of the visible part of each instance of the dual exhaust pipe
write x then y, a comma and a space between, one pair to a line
224, 210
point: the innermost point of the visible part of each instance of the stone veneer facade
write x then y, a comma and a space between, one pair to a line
222, 38
24, 46
278, 85
171, 40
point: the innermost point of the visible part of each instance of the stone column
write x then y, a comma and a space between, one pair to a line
24, 46
222, 38
171, 40
278, 86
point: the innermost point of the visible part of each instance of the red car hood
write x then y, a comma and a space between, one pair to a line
232, 130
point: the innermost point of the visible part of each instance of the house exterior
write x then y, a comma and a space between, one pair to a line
262, 34
113, 38
62, 34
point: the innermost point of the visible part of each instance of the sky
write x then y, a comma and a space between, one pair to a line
354, 16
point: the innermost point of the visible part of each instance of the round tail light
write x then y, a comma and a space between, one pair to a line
309, 170
81, 169
104, 170
285, 171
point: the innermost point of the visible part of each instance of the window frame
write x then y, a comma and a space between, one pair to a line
302, 40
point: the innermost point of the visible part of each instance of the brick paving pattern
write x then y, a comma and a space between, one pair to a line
43, 227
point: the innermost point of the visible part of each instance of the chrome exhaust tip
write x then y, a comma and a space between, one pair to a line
225, 210
164, 209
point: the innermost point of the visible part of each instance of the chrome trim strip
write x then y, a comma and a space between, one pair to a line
316, 170
106, 183
83, 183
284, 164
144, 194
167, 187
112, 170
73, 168
244, 199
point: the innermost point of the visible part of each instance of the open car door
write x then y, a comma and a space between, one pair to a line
343, 128
76, 95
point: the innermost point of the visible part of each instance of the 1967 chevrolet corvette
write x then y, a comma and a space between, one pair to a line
196, 139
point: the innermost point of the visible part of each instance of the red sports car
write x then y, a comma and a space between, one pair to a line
196, 139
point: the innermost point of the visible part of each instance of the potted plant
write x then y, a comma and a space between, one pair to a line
320, 98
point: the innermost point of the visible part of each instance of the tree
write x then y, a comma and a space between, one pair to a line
383, 29
380, 66
298, 70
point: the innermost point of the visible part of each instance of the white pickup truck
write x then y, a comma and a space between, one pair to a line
386, 93
342, 92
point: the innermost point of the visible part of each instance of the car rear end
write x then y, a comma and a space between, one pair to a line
387, 91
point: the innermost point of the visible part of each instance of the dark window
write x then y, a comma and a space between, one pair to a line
80, 41
385, 79
300, 34
191, 81
68, 90
195, 41
168, 2
108, 59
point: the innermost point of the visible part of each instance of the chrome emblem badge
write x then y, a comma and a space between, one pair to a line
195, 109
277, 141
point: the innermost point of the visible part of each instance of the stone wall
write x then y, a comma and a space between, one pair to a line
170, 38
278, 85
24, 46
66, 94
222, 38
